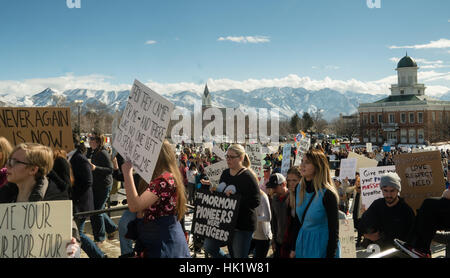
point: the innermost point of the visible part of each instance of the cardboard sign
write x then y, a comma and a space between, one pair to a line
421, 175
363, 162
35, 229
286, 162
215, 215
347, 238
49, 126
370, 183
254, 152
214, 172
143, 128
347, 168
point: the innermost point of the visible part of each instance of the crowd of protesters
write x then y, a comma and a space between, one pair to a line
293, 216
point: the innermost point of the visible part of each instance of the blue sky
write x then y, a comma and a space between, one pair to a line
182, 44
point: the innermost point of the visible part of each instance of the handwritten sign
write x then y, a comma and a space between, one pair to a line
214, 172
218, 152
370, 183
215, 215
302, 147
254, 152
286, 162
35, 230
347, 168
421, 176
143, 128
49, 126
347, 238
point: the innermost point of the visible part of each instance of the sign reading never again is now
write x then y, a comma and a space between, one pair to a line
35, 229
49, 126
143, 128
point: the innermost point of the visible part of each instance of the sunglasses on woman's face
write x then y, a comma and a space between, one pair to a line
13, 162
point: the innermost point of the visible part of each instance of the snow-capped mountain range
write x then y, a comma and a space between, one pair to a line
287, 100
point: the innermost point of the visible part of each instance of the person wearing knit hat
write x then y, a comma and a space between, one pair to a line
389, 217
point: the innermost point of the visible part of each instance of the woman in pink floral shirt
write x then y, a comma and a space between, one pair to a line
160, 206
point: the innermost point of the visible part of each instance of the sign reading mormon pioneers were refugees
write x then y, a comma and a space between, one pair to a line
421, 175
35, 230
49, 126
143, 128
215, 215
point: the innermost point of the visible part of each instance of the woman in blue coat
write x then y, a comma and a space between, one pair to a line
316, 221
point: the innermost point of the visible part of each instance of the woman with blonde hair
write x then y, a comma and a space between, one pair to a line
28, 168
238, 179
316, 221
5, 151
160, 206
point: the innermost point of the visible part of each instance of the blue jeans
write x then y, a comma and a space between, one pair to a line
126, 245
241, 244
88, 246
101, 223
212, 247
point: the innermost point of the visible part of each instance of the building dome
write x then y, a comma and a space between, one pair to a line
406, 62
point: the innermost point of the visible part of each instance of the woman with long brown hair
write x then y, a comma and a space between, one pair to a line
5, 151
316, 221
160, 206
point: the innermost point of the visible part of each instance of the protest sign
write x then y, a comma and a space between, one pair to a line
35, 230
370, 183
369, 147
302, 147
347, 168
215, 215
49, 126
218, 152
421, 175
386, 149
254, 152
363, 162
143, 128
214, 171
286, 162
347, 238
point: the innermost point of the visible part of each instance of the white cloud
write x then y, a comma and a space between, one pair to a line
102, 82
441, 43
150, 42
246, 39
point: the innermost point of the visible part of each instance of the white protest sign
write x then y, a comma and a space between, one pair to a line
218, 152
143, 128
208, 145
363, 162
302, 147
254, 152
370, 183
286, 162
347, 238
214, 172
35, 229
369, 147
347, 169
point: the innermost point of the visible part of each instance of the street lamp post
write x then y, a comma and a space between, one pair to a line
79, 102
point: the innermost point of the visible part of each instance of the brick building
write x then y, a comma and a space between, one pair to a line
407, 116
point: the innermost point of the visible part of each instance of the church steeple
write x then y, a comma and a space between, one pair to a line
206, 98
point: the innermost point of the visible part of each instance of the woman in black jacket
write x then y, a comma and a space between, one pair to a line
102, 169
83, 197
31, 179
